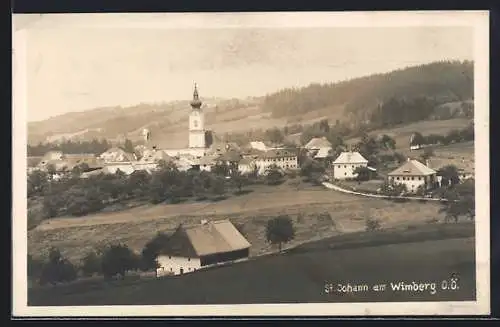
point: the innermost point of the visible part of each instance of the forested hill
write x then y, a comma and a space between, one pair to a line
439, 82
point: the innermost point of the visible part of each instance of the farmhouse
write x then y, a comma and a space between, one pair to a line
283, 159
413, 174
196, 247
346, 163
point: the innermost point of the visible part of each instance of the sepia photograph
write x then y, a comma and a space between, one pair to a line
206, 164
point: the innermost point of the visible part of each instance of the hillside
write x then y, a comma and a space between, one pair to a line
435, 91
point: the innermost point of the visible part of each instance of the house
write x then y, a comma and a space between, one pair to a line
116, 154
113, 167
89, 159
246, 166
258, 145
413, 174
465, 166
208, 244
317, 143
346, 163
283, 159
207, 162
52, 155
323, 153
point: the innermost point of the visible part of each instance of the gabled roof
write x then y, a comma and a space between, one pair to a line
323, 153
230, 155
205, 239
317, 143
412, 168
154, 156
350, 158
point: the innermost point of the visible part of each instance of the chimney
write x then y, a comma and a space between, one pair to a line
427, 163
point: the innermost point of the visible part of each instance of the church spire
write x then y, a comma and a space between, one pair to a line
196, 103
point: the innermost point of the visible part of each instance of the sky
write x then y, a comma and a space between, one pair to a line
77, 66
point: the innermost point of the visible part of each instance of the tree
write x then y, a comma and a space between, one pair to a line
372, 224
218, 186
274, 135
362, 173
221, 168
209, 138
387, 142
151, 250
449, 175
417, 139
428, 152
38, 182
460, 201
274, 176
57, 269
239, 180
128, 146
117, 259
92, 263
280, 230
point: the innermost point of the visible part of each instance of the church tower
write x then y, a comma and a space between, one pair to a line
196, 123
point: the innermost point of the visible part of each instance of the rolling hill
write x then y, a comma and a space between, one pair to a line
350, 101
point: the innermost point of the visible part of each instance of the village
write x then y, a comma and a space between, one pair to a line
211, 243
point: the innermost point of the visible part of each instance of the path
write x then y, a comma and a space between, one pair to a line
337, 188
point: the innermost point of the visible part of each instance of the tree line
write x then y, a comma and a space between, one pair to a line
454, 136
76, 196
444, 81
75, 147
117, 259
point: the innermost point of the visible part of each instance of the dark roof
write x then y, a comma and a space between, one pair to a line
278, 153
204, 239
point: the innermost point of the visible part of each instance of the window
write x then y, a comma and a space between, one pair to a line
345, 174
169, 257
397, 178
345, 166
413, 178
189, 259
419, 178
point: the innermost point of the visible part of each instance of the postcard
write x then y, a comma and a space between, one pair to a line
251, 164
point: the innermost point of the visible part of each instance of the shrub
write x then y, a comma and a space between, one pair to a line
372, 224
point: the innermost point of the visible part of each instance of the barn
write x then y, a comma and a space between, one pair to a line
207, 244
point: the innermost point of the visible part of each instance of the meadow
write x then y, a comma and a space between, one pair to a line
306, 205
306, 273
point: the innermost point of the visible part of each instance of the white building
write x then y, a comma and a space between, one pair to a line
413, 174
346, 163
283, 159
246, 166
258, 145
208, 244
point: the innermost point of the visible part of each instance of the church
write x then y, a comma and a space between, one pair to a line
197, 145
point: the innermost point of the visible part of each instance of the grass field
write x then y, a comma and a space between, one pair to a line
304, 203
303, 274
402, 134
